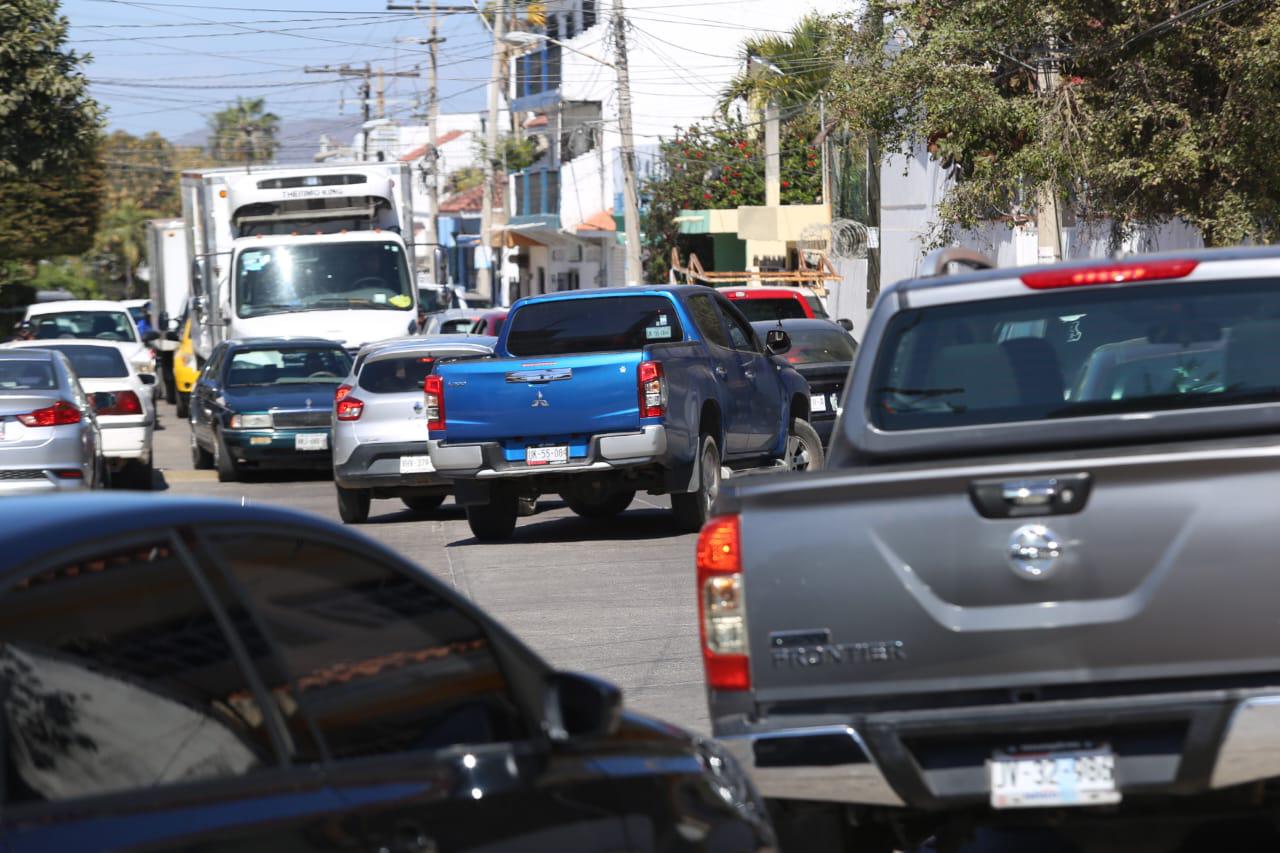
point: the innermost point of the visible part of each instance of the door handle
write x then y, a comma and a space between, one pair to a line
750, 374
721, 372
1060, 494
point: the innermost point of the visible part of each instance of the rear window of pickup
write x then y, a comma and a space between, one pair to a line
595, 324
1073, 354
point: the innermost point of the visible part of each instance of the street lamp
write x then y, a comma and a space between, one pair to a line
521, 38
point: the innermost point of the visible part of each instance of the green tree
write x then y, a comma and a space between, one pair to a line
143, 169
244, 132
793, 68
1165, 109
49, 128
461, 180
122, 239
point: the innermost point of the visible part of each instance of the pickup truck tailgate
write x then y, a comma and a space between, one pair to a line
1014, 575
533, 398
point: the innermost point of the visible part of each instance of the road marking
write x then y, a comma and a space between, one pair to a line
190, 476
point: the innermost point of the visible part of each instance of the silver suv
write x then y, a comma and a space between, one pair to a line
380, 425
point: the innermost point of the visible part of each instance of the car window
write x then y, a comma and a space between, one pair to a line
379, 661
286, 366
814, 346
396, 375
707, 319
740, 334
593, 324
815, 305
92, 362
784, 308
27, 374
116, 676
96, 325
459, 326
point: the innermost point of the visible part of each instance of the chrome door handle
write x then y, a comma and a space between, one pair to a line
721, 372
750, 374
1030, 492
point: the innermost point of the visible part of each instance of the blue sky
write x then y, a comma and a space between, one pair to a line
167, 65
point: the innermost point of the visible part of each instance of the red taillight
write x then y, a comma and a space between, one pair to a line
722, 608
1109, 273
60, 413
125, 403
349, 409
341, 392
433, 391
69, 474
653, 389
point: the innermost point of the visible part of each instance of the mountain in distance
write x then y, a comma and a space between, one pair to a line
299, 138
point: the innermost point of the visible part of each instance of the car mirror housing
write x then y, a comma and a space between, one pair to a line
150, 336
147, 378
846, 324
580, 706
777, 341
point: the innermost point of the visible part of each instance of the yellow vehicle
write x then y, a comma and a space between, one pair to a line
185, 370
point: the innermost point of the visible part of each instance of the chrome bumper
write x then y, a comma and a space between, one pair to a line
486, 461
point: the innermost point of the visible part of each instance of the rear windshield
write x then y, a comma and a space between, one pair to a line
23, 375
593, 324
814, 346
94, 362
393, 375
784, 308
1072, 354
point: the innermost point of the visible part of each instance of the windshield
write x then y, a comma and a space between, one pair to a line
93, 362
771, 308
95, 325
603, 324
287, 366
322, 277
815, 346
26, 375
1092, 352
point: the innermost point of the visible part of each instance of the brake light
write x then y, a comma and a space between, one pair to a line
349, 409
433, 390
341, 392
60, 413
126, 403
69, 474
1153, 270
653, 389
722, 608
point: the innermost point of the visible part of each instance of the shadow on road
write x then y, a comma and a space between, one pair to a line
636, 524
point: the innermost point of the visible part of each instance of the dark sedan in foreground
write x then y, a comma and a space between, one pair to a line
266, 403
822, 351
200, 675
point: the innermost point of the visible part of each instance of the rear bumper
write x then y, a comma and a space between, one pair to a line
20, 481
1181, 743
377, 466
605, 452
126, 442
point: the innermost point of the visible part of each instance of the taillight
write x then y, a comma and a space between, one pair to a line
59, 414
653, 389
343, 391
69, 474
1152, 270
433, 391
722, 607
124, 403
349, 409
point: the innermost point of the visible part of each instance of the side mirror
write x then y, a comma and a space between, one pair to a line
580, 706
147, 378
777, 341
172, 335
846, 324
150, 336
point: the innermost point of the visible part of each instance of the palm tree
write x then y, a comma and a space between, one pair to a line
802, 63
122, 237
244, 132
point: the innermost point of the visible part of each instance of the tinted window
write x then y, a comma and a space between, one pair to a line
593, 324
116, 676
456, 327
740, 334
98, 325
378, 660
756, 310
707, 319
287, 366
1086, 352
94, 362
27, 375
812, 346
815, 305
394, 375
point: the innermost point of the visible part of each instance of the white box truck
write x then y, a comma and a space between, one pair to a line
170, 270
301, 250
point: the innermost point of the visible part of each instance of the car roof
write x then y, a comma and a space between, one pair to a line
57, 343
66, 305
456, 344
245, 343
757, 292
459, 313
638, 290
798, 323
10, 353
412, 342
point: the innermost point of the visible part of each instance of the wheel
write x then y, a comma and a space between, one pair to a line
424, 503
228, 470
804, 447
692, 509
184, 405
610, 505
353, 505
201, 459
495, 520
100, 473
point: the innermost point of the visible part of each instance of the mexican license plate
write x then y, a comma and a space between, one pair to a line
416, 465
311, 441
1079, 777
555, 455
818, 402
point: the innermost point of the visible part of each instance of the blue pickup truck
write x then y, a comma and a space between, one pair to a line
599, 394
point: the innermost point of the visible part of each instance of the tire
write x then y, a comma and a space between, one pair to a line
612, 504
495, 520
692, 509
804, 447
184, 404
353, 505
423, 503
228, 470
201, 459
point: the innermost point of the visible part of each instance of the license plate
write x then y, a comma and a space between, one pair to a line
818, 403
1084, 777
311, 441
557, 455
416, 465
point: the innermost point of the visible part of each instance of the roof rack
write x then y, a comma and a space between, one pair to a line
808, 275
939, 261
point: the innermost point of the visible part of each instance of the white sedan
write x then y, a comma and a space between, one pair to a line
95, 320
122, 405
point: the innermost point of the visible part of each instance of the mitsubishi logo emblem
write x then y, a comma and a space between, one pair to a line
539, 401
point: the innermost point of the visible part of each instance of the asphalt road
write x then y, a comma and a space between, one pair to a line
614, 599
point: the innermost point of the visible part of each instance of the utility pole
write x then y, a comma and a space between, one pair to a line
431, 176
484, 275
631, 197
772, 156
1048, 218
366, 75
875, 18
